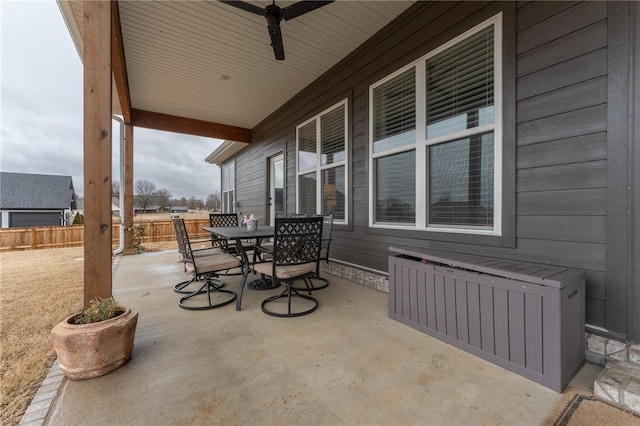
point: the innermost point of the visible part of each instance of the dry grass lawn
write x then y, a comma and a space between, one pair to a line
38, 288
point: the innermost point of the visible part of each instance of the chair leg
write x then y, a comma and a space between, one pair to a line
312, 285
243, 282
289, 292
211, 285
181, 286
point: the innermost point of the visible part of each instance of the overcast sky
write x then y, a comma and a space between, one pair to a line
41, 111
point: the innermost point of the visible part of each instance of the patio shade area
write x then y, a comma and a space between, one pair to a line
347, 363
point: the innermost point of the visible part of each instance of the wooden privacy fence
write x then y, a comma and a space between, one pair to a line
73, 236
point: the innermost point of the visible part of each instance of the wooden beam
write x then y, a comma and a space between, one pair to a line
97, 150
127, 190
118, 64
189, 126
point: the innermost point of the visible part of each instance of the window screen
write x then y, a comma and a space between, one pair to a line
307, 193
461, 182
395, 188
333, 196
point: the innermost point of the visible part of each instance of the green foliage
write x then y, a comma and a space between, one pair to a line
98, 310
78, 219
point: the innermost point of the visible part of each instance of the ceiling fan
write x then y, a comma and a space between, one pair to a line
274, 14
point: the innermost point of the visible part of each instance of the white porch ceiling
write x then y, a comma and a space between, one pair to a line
209, 61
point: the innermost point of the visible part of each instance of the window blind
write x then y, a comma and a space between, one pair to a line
460, 86
333, 136
307, 147
394, 111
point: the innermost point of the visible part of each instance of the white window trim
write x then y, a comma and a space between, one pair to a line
421, 143
319, 168
230, 164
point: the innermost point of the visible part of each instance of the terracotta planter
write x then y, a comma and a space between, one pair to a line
86, 351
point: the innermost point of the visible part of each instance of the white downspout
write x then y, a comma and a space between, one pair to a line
121, 198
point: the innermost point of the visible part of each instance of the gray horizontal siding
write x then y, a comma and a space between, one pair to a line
575, 202
577, 96
588, 229
576, 44
574, 123
564, 176
563, 151
561, 135
573, 71
561, 24
532, 13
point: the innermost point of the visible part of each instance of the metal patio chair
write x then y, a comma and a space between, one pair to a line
204, 268
265, 249
296, 254
327, 228
223, 220
182, 287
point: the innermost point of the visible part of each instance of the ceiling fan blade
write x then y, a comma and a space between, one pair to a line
276, 41
302, 7
244, 6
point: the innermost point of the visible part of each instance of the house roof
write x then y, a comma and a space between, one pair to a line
212, 63
224, 152
35, 191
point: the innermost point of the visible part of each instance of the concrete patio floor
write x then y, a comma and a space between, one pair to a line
345, 364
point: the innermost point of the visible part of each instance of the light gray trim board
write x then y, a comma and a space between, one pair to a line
634, 159
617, 194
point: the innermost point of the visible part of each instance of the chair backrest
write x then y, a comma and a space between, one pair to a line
297, 240
327, 227
184, 246
221, 220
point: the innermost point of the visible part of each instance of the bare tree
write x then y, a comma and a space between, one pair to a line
144, 190
191, 204
115, 188
213, 201
163, 198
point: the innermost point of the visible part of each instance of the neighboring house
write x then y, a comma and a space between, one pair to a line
149, 209
497, 129
179, 209
36, 200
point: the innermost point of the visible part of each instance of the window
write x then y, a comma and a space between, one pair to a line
436, 138
228, 188
321, 149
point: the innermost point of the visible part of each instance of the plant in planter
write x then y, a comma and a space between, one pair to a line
95, 341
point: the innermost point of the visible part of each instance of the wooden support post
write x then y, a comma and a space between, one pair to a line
127, 189
97, 150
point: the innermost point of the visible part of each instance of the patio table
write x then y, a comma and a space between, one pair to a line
237, 234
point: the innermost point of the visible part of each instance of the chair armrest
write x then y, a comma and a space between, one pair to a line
204, 250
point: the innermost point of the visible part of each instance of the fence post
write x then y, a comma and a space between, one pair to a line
33, 238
